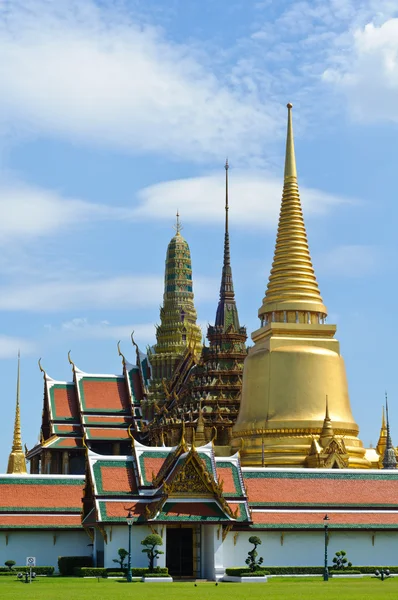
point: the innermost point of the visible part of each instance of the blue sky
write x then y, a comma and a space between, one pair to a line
113, 114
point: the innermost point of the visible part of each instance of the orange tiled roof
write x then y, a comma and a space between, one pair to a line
63, 401
107, 433
104, 394
337, 519
39, 521
55, 494
345, 489
117, 479
118, 510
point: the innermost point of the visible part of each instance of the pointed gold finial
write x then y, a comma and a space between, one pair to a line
327, 433
16, 461
290, 158
292, 293
178, 226
120, 353
382, 443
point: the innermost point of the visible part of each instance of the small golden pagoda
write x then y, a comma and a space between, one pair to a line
295, 362
16, 460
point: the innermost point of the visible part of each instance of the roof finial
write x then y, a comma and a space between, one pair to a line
227, 294
290, 158
226, 167
16, 461
389, 459
178, 225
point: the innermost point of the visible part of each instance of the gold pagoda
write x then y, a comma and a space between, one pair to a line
295, 362
16, 460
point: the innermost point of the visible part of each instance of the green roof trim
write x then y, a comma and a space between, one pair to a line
302, 526
40, 509
32, 480
135, 400
47, 527
362, 475
323, 504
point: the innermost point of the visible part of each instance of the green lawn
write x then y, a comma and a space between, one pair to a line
275, 589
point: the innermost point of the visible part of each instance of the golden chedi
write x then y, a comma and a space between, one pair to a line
295, 361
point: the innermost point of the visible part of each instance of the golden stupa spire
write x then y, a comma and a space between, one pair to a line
327, 433
382, 443
292, 285
16, 461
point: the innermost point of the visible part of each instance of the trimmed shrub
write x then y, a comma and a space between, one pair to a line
245, 572
10, 564
8, 573
90, 572
156, 575
371, 570
37, 570
344, 572
142, 572
67, 564
115, 573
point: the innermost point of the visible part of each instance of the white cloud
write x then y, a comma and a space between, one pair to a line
9, 346
136, 291
349, 260
368, 72
30, 212
80, 71
254, 199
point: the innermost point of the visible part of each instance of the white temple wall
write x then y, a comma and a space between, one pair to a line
306, 548
118, 537
46, 546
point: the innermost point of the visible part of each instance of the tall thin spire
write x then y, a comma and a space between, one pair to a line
389, 459
292, 284
227, 294
381, 444
16, 461
327, 433
178, 225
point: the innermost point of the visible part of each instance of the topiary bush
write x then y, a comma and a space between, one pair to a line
66, 564
151, 541
10, 564
252, 561
340, 561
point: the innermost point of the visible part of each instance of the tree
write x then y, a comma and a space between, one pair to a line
151, 541
123, 554
251, 560
10, 564
340, 562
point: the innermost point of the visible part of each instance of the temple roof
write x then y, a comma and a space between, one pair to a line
40, 501
166, 484
321, 487
97, 407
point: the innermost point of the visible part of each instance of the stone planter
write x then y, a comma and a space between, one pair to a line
243, 579
165, 579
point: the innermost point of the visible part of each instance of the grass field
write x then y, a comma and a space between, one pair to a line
275, 589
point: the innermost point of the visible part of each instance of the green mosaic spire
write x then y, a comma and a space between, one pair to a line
178, 315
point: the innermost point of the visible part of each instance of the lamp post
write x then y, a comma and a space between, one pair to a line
325, 569
129, 520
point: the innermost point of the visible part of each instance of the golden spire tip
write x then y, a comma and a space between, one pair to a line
178, 225
289, 105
